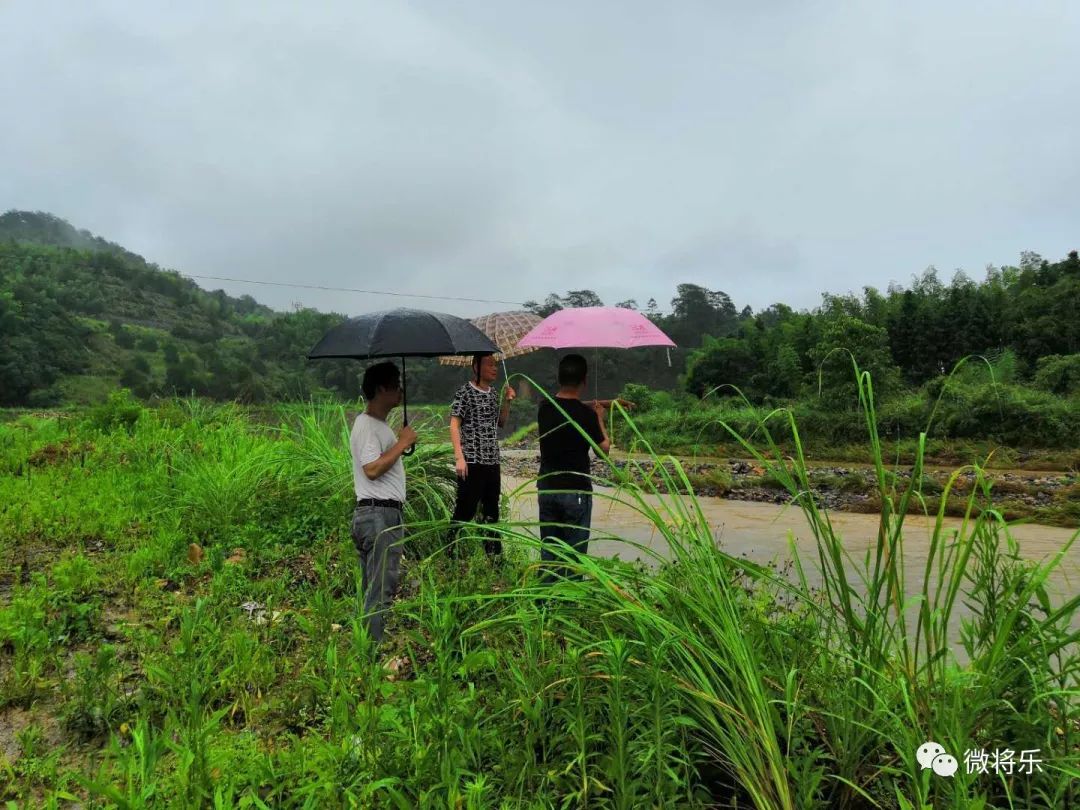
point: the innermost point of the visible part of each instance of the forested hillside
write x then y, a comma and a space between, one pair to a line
909, 336
80, 316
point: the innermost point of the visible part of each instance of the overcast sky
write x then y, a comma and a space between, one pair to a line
507, 150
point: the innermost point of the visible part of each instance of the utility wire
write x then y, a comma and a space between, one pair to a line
352, 290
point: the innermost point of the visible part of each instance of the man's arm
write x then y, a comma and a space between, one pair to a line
607, 403
375, 469
457, 416
460, 467
605, 442
504, 412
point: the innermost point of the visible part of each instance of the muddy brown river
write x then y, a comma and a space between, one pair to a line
762, 532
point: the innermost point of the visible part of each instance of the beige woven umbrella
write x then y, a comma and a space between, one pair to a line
504, 329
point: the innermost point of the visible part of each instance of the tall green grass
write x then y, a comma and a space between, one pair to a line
703, 680
827, 706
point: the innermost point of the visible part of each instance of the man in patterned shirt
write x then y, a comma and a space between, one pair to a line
475, 417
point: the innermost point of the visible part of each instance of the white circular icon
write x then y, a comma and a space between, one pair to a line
926, 753
944, 765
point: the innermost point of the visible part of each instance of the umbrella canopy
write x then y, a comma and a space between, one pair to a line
505, 329
595, 327
402, 333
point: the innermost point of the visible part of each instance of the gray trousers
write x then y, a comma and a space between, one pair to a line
377, 532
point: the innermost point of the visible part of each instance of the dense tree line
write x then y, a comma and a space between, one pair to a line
906, 337
73, 305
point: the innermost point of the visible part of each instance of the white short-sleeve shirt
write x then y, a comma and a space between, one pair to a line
370, 438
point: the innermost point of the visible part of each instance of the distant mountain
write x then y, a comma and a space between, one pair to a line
41, 228
141, 285
80, 315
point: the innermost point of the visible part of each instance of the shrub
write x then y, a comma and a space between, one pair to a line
1058, 374
642, 396
120, 410
125, 339
147, 343
1008, 413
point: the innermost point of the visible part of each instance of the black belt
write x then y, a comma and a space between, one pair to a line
386, 504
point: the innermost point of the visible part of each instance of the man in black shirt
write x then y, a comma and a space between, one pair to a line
564, 489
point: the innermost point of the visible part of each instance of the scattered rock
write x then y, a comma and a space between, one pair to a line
396, 668
257, 613
264, 618
854, 494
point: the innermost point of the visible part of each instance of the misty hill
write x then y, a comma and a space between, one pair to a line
41, 228
80, 315
101, 278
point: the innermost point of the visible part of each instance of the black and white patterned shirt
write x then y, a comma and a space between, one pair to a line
479, 413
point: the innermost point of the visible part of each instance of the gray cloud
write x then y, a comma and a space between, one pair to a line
507, 151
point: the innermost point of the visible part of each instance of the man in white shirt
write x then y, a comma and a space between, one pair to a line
379, 480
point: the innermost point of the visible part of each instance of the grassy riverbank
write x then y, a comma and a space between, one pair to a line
136, 671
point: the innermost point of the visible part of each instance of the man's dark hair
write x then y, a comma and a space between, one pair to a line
380, 375
477, 359
572, 370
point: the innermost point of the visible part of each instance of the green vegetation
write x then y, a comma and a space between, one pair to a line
179, 596
979, 407
81, 316
138, 673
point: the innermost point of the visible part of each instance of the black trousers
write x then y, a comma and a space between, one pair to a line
481, 487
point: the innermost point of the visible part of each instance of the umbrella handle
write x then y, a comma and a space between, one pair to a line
408, 451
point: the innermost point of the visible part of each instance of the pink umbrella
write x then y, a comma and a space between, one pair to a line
596, 327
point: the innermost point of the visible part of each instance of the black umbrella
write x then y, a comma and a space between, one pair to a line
402, 333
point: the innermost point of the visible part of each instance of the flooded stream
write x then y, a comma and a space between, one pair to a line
762, 532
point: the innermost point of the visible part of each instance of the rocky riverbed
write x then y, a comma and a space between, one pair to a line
1046, 497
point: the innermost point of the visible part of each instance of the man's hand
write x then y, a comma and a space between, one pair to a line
607, 403
461, 468
598, 406
511, 395
406, 436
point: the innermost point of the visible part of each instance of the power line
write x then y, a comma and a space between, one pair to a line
353, 290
